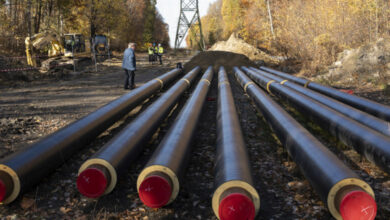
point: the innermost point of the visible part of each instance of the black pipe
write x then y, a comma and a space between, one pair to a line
360, 116
158, 183
234, 194
330, 178
370, 143
25, 168
98, 175
374, 108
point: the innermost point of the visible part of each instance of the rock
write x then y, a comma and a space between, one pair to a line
195, 203
368, 63
12, 217
65, 210
27, 203
299, 198
297, 185
386, 185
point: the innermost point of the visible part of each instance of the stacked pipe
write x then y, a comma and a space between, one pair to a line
98, 175
158, 183
23, 169
346, 195
374, 108
360, 116
234, 196
366, 141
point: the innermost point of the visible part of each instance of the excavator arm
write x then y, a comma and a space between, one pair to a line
40, 41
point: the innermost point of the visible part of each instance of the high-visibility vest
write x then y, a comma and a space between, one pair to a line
160, 50
156, 49
150, 50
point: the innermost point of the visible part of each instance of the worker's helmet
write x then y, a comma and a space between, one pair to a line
150, 44
159, 45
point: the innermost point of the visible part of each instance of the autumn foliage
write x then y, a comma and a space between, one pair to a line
122, 20
310, 31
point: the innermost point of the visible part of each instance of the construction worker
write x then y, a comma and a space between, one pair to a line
155, 49
151, 53
129, 65
160, 52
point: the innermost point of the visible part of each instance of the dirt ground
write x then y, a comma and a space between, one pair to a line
31, 110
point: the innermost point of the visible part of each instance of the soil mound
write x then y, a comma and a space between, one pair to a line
368, 64
55, 67
15, 70
237, 45
217, 59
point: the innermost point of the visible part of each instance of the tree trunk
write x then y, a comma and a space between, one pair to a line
29, 28
50, 7
38, 17
270, 19
15, 6
376, 20
369, 25
9, 8
92, 20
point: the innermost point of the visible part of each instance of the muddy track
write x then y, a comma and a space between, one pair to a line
36, 109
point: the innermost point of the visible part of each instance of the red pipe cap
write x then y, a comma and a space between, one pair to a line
155, 191
358, 205
236, 206
3, 190
347, 91
92, 182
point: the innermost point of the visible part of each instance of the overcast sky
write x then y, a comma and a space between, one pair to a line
170, 10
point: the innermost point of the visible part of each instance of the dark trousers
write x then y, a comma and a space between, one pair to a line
129, 81
160, 58
151, 58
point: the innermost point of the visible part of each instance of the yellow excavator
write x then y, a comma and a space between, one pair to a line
68, 45
74, 44
41, 41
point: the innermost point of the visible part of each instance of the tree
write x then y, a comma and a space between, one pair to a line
122, 20
149, 21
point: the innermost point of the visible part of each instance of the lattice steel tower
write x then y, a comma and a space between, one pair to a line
189, 9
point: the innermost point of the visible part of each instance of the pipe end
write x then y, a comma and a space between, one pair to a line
358, 205
92, 182
236, 206
155, 191
3, 191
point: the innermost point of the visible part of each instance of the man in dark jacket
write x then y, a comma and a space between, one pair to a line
129, 65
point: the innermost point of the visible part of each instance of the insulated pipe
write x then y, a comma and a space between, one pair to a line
234, 197
98, 175
23, 169
370, 143
158, 183
346, 195
374, 108
360, 116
